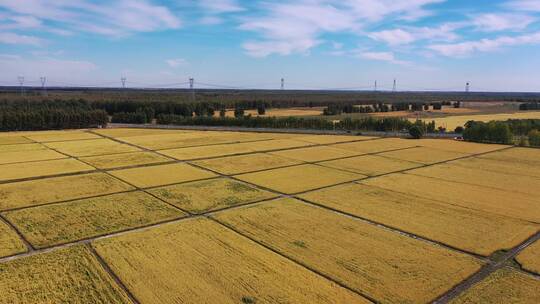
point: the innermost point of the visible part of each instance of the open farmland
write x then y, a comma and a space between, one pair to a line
177, 216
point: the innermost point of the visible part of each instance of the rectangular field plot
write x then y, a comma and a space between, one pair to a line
315, 154
209, 195
459, 146
10, 243
423, 155
512, 204
529, 259
127, 132
508, 182
498, 166
381, 264
470, 230
370, 165
22, 148
523, 156
42, 168
27, 156
503, 286
200, 261
124, 160
245, 163
160, 175
11, 140
299, 178
54, 189
331, 139
51, 136
207, 151
70, 275
66, 222
377, 145
80, 148
276, 144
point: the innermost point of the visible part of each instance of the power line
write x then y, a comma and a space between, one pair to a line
20, 79
43, 80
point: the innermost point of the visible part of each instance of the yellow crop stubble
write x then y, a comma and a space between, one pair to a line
299, 178
161, 175
207, 151
42, 169
523, 156
315, 154
377, 145
503, 286
66, 222
61, 136
423, 155
511, 204
470, 230
387, 266
498, 166
331, 139
530, 258
370, 165
245, 163
28, 156
459, 146
70, 275
209, 195
80, 148
10, 243
200, 261
125, 160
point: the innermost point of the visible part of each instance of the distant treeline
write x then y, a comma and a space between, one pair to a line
46, 115
388, 124
337, 109
529, 106
504, 132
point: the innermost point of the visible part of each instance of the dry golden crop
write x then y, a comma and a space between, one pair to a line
503, 286
530, 258
377, 145
70, 275
299, 178
315, 154
525, 156
276, 144
451, 122
387, 266
54, 189
459, 146
10, 243
55, 224
209, 195
423, 155
10, 140
125, 160
161, 175
512, 204
245, 163
192, 153
370, 165
332, 139
21, 148
470, 230
200, 261
502, 181
127, 132
91, 147
27, 156
498, 166
42, 169
61, 136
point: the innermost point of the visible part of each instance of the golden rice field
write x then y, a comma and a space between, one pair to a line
183, 216
451, 122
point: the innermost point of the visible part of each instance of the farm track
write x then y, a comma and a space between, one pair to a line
492, 264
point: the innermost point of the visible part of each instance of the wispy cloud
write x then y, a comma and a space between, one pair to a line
501, 22
524, 5
484, 45
409, 35
221, 6
381, 56
13, 38
177, 62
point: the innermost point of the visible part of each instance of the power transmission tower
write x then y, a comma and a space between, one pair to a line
282, 83
20, 79
123, 80
467, 87
375, 86
43, 80
394, 87
192, 88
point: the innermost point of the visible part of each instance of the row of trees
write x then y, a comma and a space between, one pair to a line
529, 106
337, 109
504, 132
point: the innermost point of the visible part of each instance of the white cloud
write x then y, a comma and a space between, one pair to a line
380, 56
13, 38
107, 18
177, 62
409, 35
524, 5
502, 22
221, 6
484, 45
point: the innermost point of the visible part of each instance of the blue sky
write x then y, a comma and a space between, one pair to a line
313, 44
